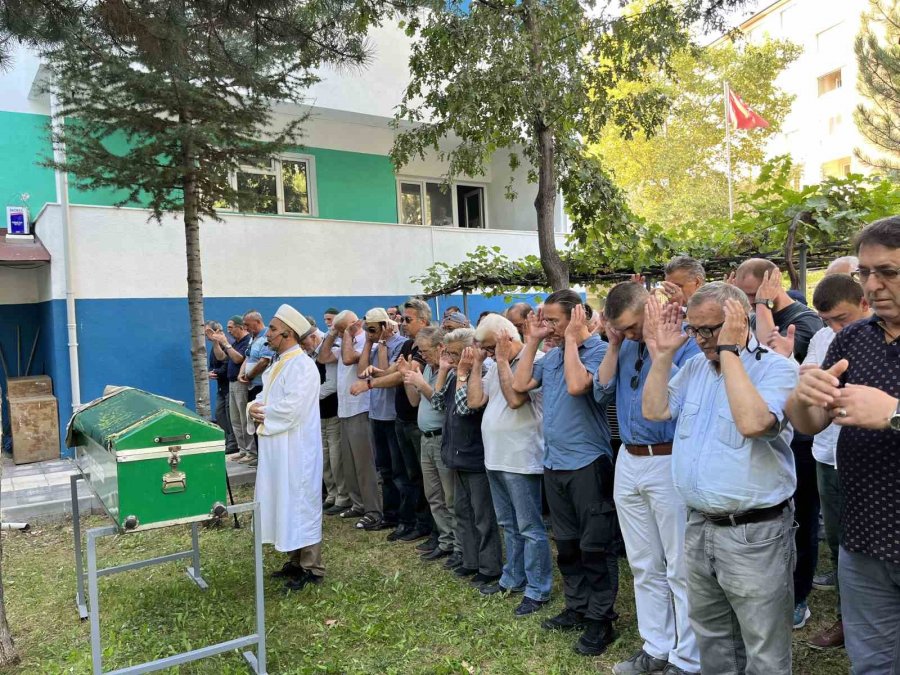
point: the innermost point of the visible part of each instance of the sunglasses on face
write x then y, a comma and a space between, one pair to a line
371, 330
705, 332
406, 319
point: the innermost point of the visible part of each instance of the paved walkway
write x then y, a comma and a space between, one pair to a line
41, 491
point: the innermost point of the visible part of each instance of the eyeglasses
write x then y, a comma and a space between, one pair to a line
490, 350
406, 319
371, 330
638, 365
705, 332
886, 274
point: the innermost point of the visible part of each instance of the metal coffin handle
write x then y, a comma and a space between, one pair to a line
174, 481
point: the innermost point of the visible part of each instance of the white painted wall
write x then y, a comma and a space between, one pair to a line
16, 81
118, 253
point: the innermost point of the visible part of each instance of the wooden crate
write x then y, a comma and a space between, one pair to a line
33, 385
35, 428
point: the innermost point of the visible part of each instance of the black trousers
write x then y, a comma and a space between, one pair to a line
476, 523
583, 516
806, 513
384, 440
407, 469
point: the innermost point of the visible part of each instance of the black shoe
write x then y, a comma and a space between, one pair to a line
334, 510
429, 544
529, 606
568, 619
302, 582
288, 571
481, 579
415, 534
435, 554
597, 636
465, 571
381, 525
454, 561
399, 532
350, 512
493, 589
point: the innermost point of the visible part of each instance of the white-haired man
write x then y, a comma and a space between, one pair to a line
289, 475
511, 430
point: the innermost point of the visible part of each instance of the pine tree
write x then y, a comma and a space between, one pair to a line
878, 59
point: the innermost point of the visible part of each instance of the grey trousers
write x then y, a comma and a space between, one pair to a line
223, 419
741, 594
358, 464
871, 590
332, 473
237, 409
440, 485
476, 523
830, 501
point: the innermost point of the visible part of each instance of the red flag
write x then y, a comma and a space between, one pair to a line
741, 115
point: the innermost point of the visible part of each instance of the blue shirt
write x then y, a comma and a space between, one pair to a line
714, 467
381, 400
576, 431
633, 428
258, 350
240, 346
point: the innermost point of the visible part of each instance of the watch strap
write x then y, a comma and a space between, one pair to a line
734, 349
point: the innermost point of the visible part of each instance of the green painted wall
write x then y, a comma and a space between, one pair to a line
24, 142
349, 185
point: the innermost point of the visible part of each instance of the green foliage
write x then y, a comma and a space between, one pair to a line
678, 174
878, 60
829, 213
161, 97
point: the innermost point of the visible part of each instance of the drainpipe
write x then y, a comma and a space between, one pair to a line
62, 196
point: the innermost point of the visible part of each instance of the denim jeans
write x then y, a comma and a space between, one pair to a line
384, 440
830, 499
741, 594
870, 598
517, 503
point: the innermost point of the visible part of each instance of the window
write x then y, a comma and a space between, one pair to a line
831, 40
429, 202
282, 185
830, 82
834, 124
836, 168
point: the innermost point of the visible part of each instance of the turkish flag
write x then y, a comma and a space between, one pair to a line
741, 115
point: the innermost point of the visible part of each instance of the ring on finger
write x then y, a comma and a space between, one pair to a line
842, 412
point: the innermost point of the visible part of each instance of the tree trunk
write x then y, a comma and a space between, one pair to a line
195, 284
8, 654
544, 204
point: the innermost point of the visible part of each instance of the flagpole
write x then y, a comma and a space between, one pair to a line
728, 156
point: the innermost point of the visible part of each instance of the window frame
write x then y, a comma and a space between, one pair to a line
276, 170
454, 184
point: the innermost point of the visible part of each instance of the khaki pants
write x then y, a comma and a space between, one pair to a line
310, 559
332, 471
439, 487
358, 464
237, 409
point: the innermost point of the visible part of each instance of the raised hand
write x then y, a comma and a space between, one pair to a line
730, 278
466, 361
782, 344
503, 350
770, 288
614, 335
415, 378
737, 325
535, 330
673, 293
820, 388
446, 361
637, 278
668, 337
577, 322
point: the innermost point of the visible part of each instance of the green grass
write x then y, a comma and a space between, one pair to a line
380, 610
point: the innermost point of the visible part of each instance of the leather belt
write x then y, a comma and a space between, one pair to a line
432, 434
754, 516
657, 449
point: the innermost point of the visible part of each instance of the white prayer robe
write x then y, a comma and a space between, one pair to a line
289, 474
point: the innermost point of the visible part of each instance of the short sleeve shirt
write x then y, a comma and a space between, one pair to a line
405, 410
381, 399
576, 429
258, 350
869, 460
429, 419
348, 404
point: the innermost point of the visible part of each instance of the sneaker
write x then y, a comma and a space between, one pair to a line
435, 554
529, 606
238, 456
641, 663
481, 579
568, 619
672, 669
597, 636
465, 571
454, 561
801, 615
429, 544
247, 458
288, 571
302, 582
399, 532
253, 463
415, 534
825, 582
830, 638
493, 589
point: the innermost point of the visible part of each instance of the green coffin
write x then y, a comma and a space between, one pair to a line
150, 461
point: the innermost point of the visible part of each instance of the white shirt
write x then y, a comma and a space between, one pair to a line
513, 438
348, 404
824, 442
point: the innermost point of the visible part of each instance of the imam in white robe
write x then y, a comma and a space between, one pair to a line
289, 473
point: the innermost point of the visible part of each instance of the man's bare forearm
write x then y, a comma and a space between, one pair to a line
608, 367
514, 399
655, 400
524, 371
806, 419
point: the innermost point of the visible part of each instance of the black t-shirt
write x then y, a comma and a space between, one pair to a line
869, 460
405, 410
806, 324
240, 346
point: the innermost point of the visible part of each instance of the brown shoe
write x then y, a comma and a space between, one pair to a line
830, 638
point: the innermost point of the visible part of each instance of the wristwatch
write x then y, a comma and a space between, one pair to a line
734, 349
895, 419
770, 304
463, 378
